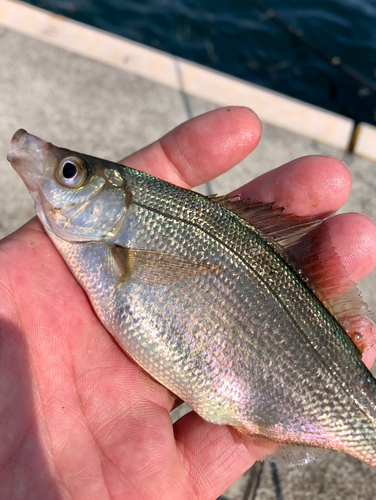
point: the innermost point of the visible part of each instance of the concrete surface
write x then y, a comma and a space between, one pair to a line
166, 69
85, 105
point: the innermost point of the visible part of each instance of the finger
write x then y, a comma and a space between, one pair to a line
312, 185
369, 357
217, 454
201, 148
353, 236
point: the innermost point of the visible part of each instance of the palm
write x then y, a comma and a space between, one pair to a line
78, 418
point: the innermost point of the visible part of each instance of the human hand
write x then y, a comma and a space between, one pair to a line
78, 419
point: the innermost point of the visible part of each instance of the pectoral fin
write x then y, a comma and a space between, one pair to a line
157, 268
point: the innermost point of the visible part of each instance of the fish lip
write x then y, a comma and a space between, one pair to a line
23, 144
15, 139
27, 155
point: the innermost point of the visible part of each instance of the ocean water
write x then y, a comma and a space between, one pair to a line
322, 51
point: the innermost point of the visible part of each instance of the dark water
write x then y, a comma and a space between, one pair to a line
320, 51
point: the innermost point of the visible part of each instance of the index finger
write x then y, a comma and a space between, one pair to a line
200, 149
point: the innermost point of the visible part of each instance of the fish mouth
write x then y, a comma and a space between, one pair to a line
27, 155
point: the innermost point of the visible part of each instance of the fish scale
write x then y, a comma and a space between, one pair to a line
199, 292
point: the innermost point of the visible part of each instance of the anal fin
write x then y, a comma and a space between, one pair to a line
294, 454
270, 450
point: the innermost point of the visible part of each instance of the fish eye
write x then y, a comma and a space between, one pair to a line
71, 172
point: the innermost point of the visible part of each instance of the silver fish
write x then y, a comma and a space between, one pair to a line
202, 294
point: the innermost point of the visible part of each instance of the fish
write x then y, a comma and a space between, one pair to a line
204, 294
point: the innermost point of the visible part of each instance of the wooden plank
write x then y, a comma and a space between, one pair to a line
365, 141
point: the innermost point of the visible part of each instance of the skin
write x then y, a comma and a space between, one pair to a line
78, 419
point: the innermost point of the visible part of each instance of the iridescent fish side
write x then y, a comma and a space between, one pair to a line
201, 292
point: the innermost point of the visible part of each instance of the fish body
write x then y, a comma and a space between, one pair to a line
206, 302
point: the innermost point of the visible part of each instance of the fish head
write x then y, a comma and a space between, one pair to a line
77, 197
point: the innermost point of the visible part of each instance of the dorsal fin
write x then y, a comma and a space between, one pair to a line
284, 229
317, 263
